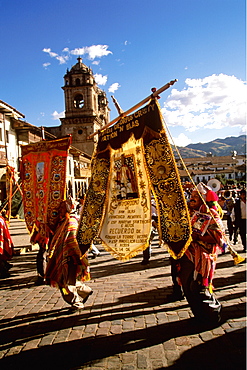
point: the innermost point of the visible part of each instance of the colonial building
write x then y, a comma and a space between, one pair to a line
207, 168
14, 132
9, 146
86, 108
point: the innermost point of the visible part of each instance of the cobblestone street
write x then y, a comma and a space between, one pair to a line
127, 323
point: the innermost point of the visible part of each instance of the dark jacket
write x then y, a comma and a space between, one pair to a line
237, 210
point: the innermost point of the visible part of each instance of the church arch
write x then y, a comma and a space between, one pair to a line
79, 101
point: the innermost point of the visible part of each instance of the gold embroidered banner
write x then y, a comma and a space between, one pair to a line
126, 226
133, 158
43, 176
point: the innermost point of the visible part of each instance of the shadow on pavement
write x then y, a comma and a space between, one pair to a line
75, 354
215, 354
224, 352
41, 323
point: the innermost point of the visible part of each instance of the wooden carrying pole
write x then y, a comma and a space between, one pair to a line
138, 105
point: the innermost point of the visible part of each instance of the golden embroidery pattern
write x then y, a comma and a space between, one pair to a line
169, 195
94, 204
56, 192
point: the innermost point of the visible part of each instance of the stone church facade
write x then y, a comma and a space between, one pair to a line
86, 108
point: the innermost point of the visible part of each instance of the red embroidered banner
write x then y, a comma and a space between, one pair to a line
43, 176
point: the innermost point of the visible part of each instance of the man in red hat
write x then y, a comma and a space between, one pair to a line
198, 264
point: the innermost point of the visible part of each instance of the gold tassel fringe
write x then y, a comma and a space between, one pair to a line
236, 257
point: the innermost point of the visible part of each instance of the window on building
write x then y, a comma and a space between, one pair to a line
77, 82
79, 101
1, 134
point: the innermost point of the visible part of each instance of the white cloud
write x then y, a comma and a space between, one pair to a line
45, 65
78, 51
94, 51
181, 140
99, 79
51, 53
56, 115
114, 87
96, 62
213, 102
61, 58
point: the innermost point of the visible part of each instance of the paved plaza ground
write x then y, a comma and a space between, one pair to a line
127, 323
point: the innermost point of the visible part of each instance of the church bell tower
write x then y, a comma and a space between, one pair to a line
86, 107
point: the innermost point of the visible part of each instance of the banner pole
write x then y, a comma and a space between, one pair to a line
116, 103
138, 105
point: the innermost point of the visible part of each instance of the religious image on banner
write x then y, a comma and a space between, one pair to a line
43, 176
125, 180
134, 160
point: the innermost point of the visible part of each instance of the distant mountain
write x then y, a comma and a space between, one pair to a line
218, 147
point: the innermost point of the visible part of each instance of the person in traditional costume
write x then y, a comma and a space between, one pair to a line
6, 249
197, 266
67, 268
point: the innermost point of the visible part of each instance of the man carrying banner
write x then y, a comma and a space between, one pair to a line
197, 266
67, 268
43, 174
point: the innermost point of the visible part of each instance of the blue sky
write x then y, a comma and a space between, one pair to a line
132, 46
